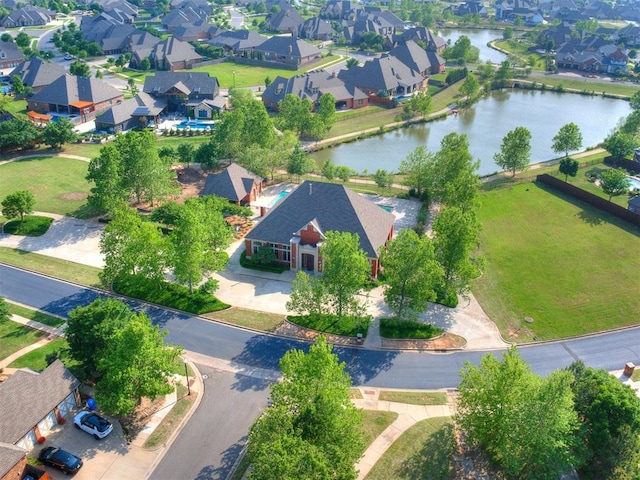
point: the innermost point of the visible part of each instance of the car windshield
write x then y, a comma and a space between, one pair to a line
66, 458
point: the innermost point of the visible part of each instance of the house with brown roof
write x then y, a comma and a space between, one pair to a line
32, 403
312, 85
79, 98
170, 54
235, 183
290, 51
296, 227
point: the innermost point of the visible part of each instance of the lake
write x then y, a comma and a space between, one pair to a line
486, 123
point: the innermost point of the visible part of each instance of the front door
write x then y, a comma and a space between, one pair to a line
307, 262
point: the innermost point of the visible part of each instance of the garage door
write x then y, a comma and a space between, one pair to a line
28, 441
47, 423
67, 405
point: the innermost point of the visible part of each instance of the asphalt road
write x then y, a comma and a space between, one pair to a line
210, 442
379, 368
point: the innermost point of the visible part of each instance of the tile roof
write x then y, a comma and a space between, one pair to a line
233, 183
26, 397
70, 88
37, 73
333, 207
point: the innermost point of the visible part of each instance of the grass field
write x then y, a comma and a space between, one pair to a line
37, 359
35, 315
57, 183
571, 268
425, 451
14, 336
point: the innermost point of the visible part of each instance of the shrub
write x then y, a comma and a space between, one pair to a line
393, 328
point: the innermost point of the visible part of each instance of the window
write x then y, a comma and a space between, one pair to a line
256, 246
283, 252
203, 113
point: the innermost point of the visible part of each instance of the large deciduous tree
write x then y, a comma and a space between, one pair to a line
132, 246
568, 138
312, 429
4, 310
453, 178
19, 133
455, 238
345, 268
106, 171
18, 204
515, 151
526, 424
417, 170
137, 364
471, 86
614, 182
620, 144
56, 134
568, 167
411, 274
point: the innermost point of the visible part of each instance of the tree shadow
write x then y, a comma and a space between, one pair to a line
66, 304
228, 459
434, 461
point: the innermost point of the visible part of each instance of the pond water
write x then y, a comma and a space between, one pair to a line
479, 39
485, 124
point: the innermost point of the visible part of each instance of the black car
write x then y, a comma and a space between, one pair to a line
60, 459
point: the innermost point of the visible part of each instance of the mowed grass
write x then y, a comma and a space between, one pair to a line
37, 359
35, 315
14, 336
571, 268
425, 451
58, 183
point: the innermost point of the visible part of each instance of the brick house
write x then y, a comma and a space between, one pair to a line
296, 227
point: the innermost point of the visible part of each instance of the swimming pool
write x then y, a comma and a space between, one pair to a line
634, 183
277, 199
195, 125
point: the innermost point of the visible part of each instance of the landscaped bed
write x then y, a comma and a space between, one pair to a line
348, 326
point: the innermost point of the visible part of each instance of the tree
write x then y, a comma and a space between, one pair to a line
5, 314
567, 139
418, 104
199, 239
80, 69
18, 204
455, 237
19, 133
294, 113
99, 74
351, 63
329, 169
610, 414
23, 40
569, 166
106, 172
470, 87
345, 268
504, 73
312, 429
620, 144
417, 168
308, 295
132, 246
18, 86
56, 134
411, 274
89, 331
507, 33
326, 113
145, 64
137, 364
614, 182
207, 155
525, 424
299, 163
344, 173
634, 101
383, 179
515, 151
186, 153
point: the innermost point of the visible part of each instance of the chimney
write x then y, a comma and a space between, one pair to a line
310, 188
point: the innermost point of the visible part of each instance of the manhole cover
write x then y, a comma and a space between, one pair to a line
204, 377
528, 319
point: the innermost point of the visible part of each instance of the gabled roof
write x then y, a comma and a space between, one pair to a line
188, 30
9, 51
141, 104
412, 55
634, 201
432, 41
233, 183
333, 207
288, 45
37, 73
27, 397
238, 39
10, 455
29, 14
386, 73
163, 82
285, 20
70, 88
173, 50
311, 85
315, 27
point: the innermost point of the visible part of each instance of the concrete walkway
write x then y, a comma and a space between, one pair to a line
408, 416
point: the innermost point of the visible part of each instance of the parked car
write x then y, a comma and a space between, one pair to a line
60, 459
68, 57
93, 424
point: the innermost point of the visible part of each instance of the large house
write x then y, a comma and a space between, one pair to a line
386, 76
235, 183
313, 85
170, 54
28, 16
140, 111
10, 55
193, 94
296, 227
37, 74
289, 50
79, 98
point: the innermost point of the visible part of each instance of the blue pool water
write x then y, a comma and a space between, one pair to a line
195, 125
635, 183
387, 208
277, 199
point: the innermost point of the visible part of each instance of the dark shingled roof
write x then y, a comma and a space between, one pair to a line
332, 207
233, 183
164, 81
10, 455
27, 397
37, 73
69, 88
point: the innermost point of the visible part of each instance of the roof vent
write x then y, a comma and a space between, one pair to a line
310, 188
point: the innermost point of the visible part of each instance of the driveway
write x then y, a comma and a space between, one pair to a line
105, 459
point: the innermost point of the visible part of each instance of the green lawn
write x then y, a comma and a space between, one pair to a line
263, 321
14, 336
57, 183
570, 267
30, 225
423, 452
374, 422
414, 398
35, 315
610, 88
36, 359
